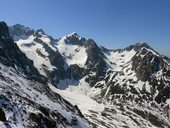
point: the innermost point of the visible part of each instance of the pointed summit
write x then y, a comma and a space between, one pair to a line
142, 44
73, 34
73, 39
41, 31
138, 46
19, 26
19, 30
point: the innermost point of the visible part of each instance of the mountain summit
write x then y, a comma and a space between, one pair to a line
73, 39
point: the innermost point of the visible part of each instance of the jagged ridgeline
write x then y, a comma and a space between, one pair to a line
11, 56
65, 58
136, 68
26, 101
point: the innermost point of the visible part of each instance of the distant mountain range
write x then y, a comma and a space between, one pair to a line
73, 82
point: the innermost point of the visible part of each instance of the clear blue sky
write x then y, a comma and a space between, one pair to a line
112, 23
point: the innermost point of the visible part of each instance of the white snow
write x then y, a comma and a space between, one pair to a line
168, 101
153, 52
73, 54
31, 53
79, 95
25, 88
115, 59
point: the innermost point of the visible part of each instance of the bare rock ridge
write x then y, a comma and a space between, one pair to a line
12, 56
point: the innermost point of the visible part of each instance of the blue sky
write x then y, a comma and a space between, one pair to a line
111, 23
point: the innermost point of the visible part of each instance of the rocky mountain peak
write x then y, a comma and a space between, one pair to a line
4, 30
40, 31
12, 56
138, 46
19, 26
73, 34
90, 43
142, 44
73, 39
20, 30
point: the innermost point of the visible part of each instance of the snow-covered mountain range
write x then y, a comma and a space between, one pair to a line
26, 101
80, 84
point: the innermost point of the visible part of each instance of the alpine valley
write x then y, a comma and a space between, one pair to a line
71, 82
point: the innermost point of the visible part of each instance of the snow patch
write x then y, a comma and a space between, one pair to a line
73, 54
79, 95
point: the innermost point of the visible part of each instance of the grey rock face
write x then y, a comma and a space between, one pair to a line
4, 30
75, 39
2, 115
146, 66
11, 55
95, 62
138, 46
19, 30
76, 72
